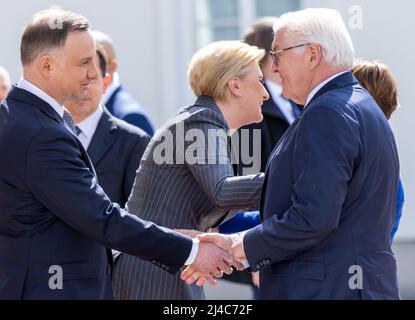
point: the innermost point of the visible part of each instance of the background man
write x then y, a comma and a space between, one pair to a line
117, 99
114, 146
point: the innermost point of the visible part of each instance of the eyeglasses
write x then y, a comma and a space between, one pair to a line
275, 55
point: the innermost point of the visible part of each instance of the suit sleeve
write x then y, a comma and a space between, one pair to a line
64, 184
212, 169
324, 156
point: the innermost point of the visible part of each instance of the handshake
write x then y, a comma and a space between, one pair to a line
217, 254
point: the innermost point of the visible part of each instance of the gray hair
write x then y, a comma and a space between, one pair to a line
48, 30
320, 26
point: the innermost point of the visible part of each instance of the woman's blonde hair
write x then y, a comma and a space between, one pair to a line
214, 65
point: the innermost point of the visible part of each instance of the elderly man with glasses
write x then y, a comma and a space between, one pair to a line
330, 188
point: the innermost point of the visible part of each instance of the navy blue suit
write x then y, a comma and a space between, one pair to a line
328, 202
53, 212
122, 105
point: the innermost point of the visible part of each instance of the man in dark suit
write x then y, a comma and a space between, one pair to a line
114, 146
55, 220
117, 99
329, 194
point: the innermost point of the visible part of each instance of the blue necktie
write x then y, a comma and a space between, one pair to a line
69, 121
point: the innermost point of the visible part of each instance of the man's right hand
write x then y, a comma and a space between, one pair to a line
210, 262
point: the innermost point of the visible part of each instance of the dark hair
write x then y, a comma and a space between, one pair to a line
102, 59
47, 30
376, 78
261, 35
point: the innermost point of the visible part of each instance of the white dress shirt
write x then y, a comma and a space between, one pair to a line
283, 104
26, 85
88, 127
321, 85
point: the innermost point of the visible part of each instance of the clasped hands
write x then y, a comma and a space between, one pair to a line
217, 254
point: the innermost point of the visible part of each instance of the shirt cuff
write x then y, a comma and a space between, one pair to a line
240, 236
193, 253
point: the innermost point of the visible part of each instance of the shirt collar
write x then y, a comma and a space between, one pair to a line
115, 84
28, 86
90, 124
321, 85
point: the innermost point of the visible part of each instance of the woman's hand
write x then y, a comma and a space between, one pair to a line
190, 233
195, 233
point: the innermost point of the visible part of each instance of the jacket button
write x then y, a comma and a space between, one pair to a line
109, 270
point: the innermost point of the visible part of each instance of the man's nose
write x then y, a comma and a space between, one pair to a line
274, 67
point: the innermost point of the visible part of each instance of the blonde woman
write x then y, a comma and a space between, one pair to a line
186, 179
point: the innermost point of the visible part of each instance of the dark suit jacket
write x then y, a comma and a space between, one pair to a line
53, 212
115, 151
328, 202
122, 105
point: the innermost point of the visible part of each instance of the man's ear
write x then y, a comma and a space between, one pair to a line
316, 55
106, 81
234, 87
112, 66
46, 65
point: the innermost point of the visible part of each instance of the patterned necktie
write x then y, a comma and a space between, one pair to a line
78, 131
69, 121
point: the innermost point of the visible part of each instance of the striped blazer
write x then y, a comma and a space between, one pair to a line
185, 180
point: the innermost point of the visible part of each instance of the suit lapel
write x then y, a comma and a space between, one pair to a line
29, 98
273, 153
103, 138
